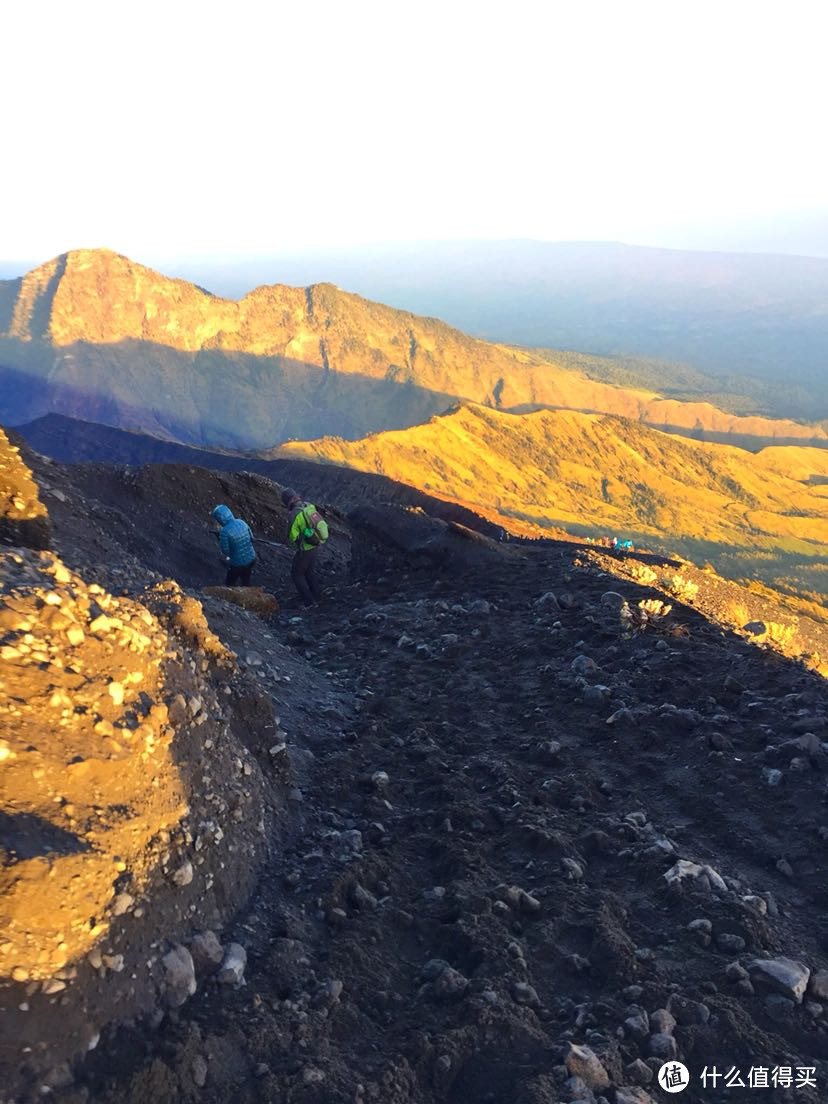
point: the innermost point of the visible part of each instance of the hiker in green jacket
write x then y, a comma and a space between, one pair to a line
307, 531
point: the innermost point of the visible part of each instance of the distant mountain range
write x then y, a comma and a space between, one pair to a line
93, 335
752, 327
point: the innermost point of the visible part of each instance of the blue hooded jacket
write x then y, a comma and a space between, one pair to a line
235, 538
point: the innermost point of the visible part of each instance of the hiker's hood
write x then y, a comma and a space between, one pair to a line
223, 514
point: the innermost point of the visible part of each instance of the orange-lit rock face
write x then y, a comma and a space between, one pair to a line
87, 774
114, 332
23, 517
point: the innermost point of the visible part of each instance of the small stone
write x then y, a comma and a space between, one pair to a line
380, 780
701, 930
662, 1022
583, 1062
231, 971
450, 985
524, 993
637, 1024
620, 716
116, 692
688, 1013
547, 601
436, 893
433, 968
520, 900
179, 975
207, 952
199, 1071
758, 904
184, 874
735, 971
328, 994
361, 898
122, 903
639, 1072
729, 943
577, 1091
703, 878
818, 986
663, 1046
572, 869
771, 776
596, 695
583, 665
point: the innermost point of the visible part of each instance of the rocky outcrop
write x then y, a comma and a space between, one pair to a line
132, 815
23, 517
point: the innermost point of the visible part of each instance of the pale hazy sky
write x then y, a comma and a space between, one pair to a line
180, 128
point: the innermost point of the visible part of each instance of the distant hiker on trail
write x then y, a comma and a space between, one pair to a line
307, 530
236, 542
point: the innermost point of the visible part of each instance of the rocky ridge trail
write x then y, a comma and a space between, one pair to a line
547, 854
538, 838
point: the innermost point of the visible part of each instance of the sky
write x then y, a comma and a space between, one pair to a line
186, 129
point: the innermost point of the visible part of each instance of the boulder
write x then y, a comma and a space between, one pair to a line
179, 975
583, 1062
782, 975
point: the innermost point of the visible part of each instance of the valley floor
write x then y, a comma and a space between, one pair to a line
491, 790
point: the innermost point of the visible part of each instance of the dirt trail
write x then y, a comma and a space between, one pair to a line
479, 878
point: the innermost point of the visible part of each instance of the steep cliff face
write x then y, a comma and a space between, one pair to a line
95, 335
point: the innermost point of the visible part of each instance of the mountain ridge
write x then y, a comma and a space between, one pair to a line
92, 333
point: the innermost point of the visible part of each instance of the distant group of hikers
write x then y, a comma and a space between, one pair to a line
306, 531
617, 544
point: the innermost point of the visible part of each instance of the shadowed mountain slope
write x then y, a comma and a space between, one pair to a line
94, 335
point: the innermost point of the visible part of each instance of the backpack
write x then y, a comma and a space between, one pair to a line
315, 531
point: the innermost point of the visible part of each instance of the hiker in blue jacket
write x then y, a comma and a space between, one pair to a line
236, 542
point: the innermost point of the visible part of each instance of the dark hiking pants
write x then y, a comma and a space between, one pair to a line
304, 578
239, 575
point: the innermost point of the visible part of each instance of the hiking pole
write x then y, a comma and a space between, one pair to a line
273, 544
